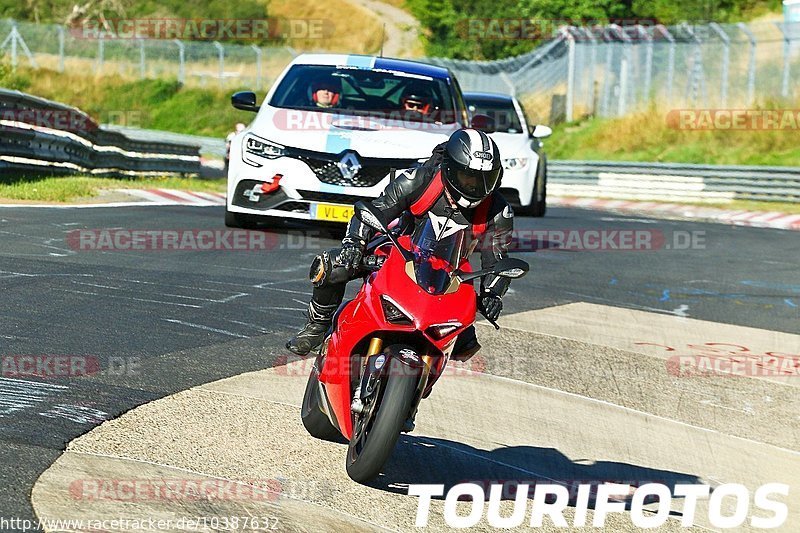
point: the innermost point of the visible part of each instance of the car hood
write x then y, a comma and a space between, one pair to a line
512, 144
335, 133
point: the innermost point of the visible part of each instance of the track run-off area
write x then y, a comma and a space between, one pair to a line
165, 365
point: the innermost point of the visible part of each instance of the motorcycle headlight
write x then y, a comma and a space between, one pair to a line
515, 163
259, 147
440, 331
393, 313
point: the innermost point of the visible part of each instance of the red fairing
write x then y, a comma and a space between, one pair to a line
363, 319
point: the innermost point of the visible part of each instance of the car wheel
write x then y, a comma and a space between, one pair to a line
538, 205
231, 220
238, 220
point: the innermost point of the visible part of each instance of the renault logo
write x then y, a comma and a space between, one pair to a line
349, 165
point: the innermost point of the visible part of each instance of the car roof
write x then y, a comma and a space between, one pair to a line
373, 62
489, 97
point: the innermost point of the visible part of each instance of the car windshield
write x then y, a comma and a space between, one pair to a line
376, 93
504, 114
438, 252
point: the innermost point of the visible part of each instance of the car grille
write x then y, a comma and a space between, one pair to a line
372, 171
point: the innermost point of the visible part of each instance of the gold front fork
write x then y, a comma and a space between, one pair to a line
375, 346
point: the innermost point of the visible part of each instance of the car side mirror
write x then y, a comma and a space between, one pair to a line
485, 123
541, 132
245, 100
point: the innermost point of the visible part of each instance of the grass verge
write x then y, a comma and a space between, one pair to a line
647, 137
72, 188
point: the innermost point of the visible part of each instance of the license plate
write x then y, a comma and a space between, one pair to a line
332, 212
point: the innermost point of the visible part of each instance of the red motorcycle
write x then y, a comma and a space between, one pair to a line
389, 345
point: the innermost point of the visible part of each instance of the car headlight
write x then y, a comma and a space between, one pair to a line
253, 145
515, 163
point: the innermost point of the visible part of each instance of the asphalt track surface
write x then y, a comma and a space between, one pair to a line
184, 318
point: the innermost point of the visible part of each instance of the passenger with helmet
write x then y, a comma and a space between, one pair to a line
459, 182
326, 91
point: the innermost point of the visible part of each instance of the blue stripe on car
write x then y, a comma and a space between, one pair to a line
336, 143
411, 67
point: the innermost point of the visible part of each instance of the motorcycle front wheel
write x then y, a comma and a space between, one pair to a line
376, 430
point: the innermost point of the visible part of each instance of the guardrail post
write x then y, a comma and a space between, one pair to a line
13, 37
61, 48
726, 58
648, 80
751, 66
670, 81
624, 66
181, 61
787, 52
100, 53
606, 100
221, 51
569, 114
696, 82
258, 52
590, 97
142, 65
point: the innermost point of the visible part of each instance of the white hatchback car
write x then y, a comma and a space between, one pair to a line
302, 158
524, 161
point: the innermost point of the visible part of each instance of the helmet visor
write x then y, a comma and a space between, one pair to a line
476, 184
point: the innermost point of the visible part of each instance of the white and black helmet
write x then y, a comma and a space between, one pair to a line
471, 168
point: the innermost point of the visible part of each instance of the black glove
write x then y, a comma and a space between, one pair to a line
351, 254
491, 304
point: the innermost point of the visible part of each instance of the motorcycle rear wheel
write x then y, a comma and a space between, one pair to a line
375, 432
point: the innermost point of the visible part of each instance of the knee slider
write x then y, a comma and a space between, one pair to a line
320, 269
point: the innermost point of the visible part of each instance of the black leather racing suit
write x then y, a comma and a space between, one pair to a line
403, 191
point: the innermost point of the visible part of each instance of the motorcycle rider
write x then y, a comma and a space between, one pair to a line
457, 185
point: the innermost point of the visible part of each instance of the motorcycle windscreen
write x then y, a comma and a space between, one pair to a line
438, 252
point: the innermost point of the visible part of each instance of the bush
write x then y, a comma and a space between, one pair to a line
10, 79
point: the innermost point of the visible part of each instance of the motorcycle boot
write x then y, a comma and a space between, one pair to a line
319, 318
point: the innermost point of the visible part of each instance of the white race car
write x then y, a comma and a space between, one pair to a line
331, 131
524, 162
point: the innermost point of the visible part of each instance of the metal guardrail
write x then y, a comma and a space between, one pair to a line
673, 182
40, 136
210, 146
